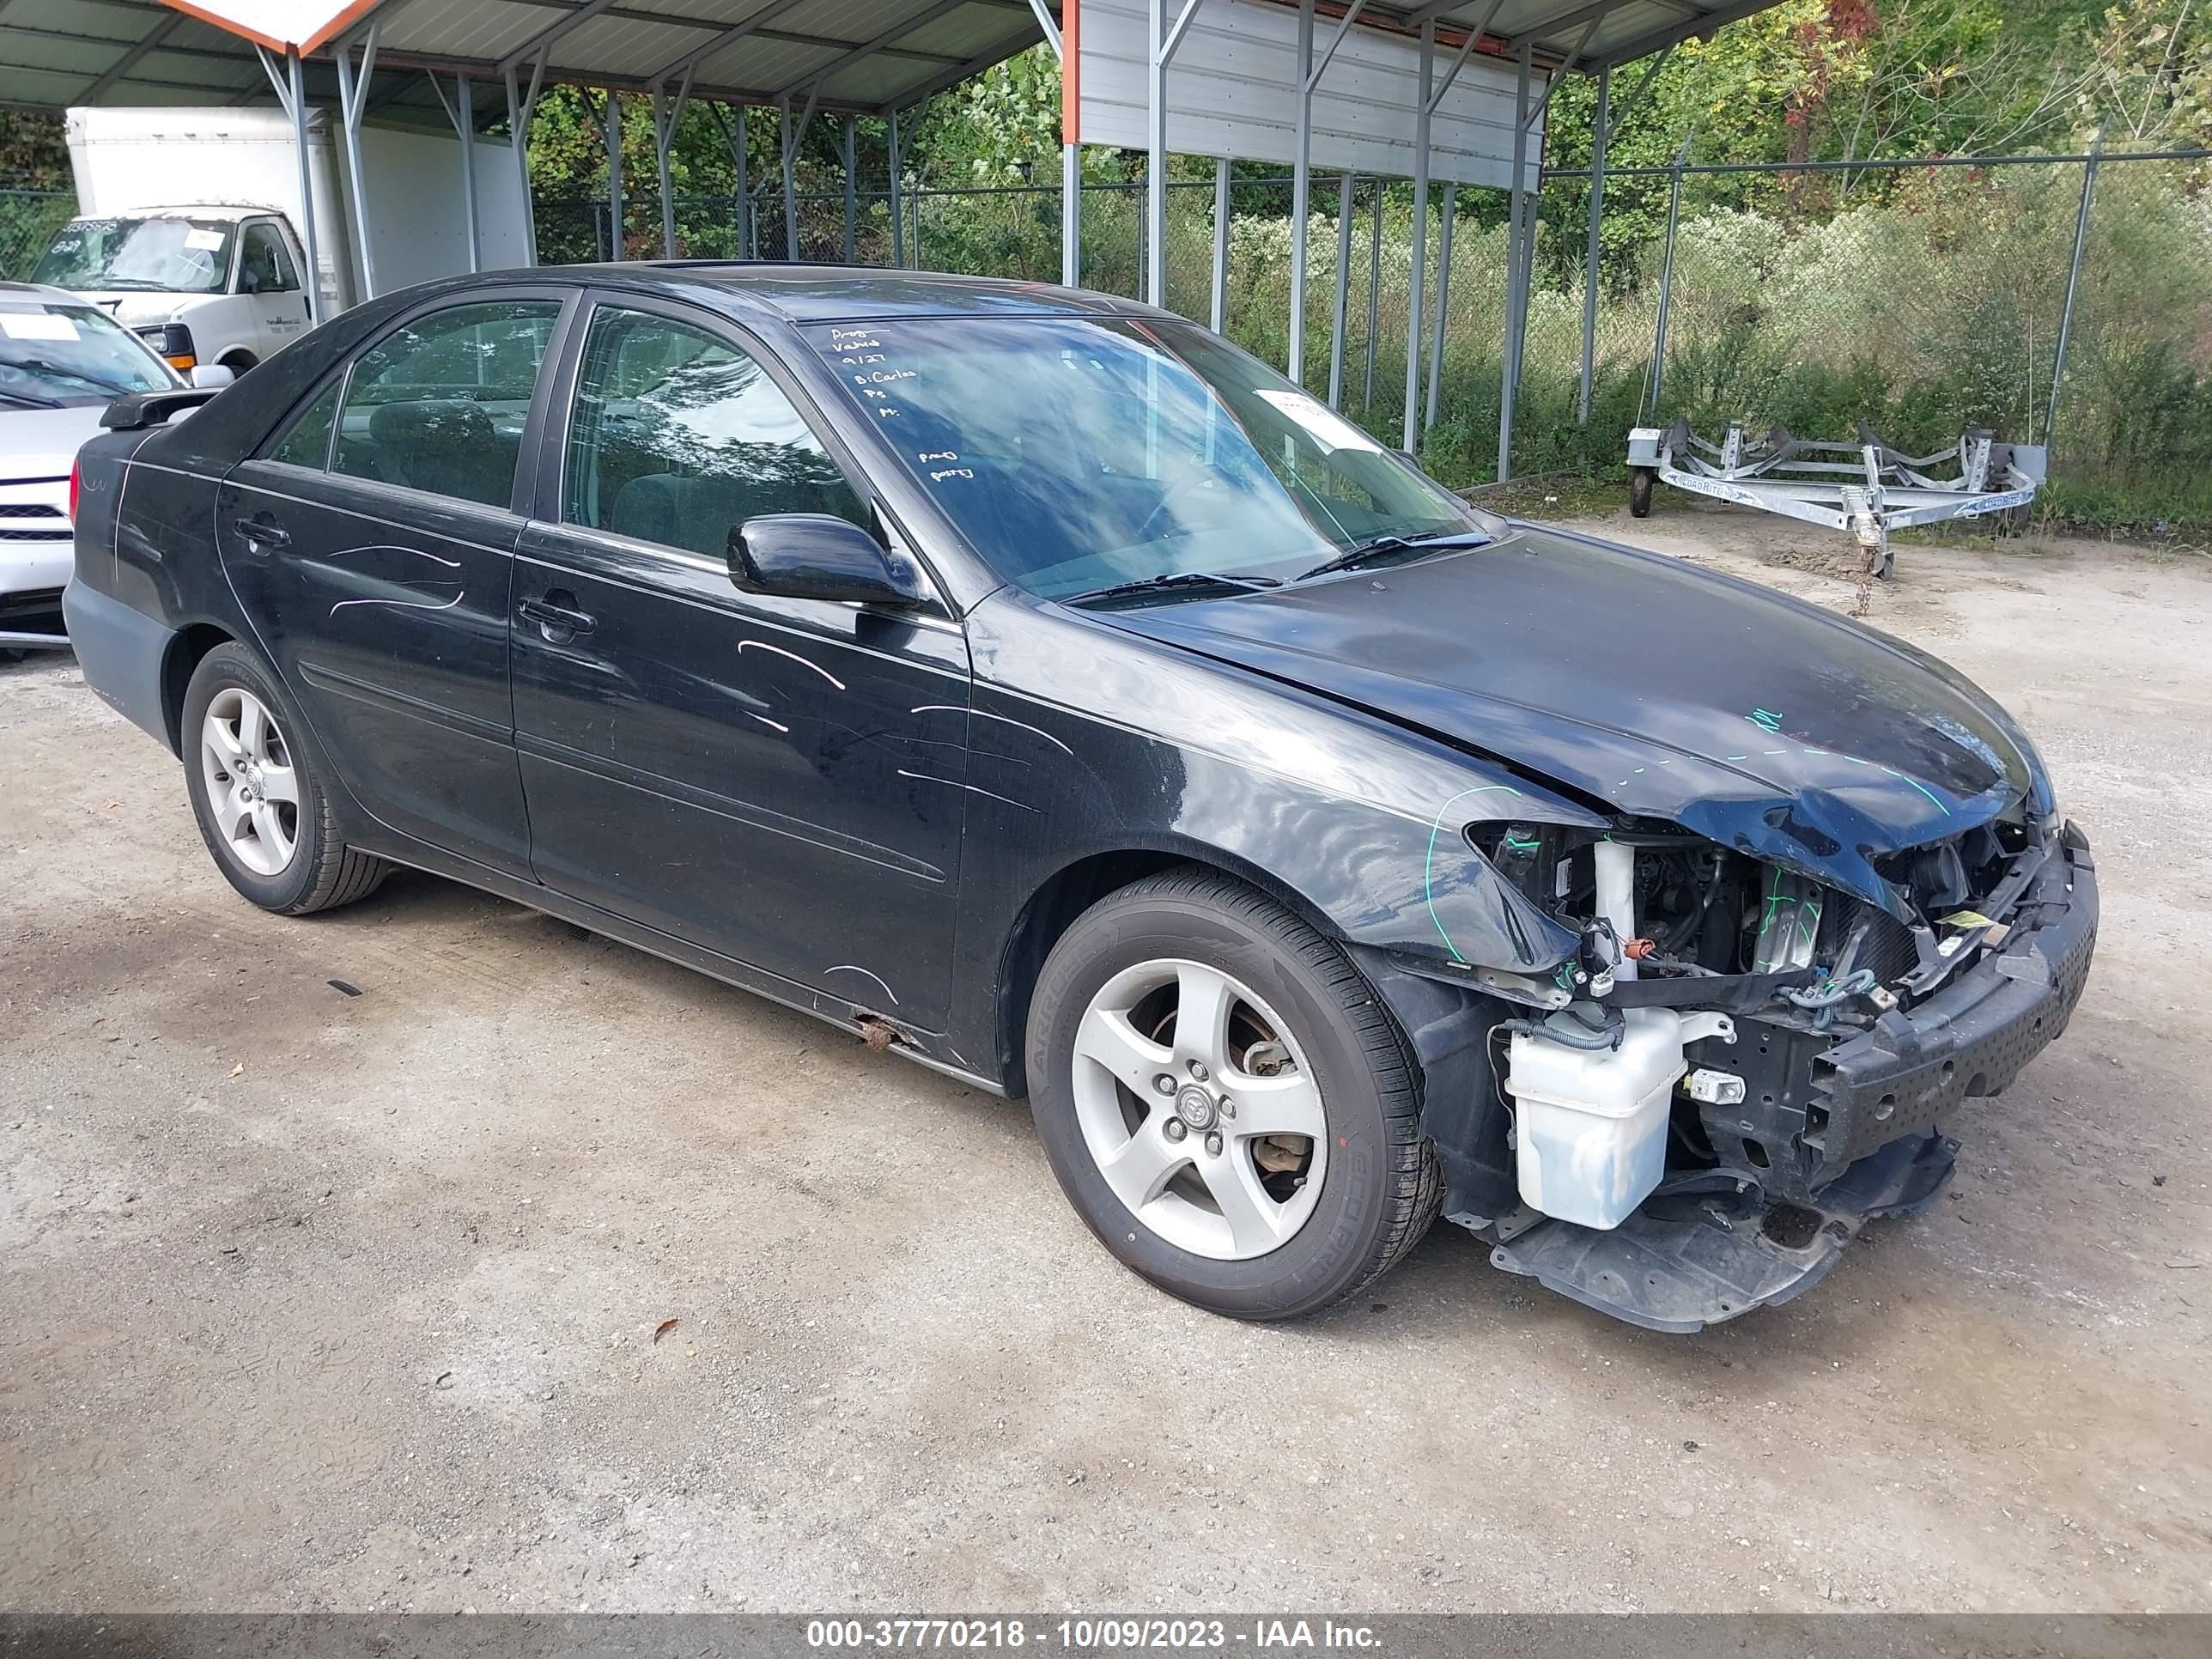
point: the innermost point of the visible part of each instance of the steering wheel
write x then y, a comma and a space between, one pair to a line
1189, 483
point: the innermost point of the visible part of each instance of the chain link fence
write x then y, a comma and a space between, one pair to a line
1918, 300
29, 219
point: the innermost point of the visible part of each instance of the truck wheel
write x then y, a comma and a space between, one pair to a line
1640, 479
260, 807
1226, 1101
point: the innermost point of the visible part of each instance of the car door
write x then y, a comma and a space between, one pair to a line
269, 281
779, 779
370, 541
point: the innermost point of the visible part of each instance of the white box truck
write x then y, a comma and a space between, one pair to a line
188, 224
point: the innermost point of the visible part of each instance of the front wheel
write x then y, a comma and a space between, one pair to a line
1224, 1100
1640, 480
260, 806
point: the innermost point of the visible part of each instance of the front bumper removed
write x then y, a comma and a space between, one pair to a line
1711, 1244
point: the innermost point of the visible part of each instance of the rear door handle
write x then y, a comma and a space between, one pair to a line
559, 620
262, 532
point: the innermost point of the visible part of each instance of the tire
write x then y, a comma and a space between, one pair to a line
316, 871
1304, 1228
1640, 480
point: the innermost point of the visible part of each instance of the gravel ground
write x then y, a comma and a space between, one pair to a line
310, 1301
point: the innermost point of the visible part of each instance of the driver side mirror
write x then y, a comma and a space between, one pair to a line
815, 555
249, 280
210, 376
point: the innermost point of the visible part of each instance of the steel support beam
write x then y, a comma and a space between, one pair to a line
1070, 215
130, 59
1443, 304
1658, 377
614, 174
734, 135
898, 207
852, 198
353, 89
465, 101
1600, 137
729, 37
1374, 300
292, 93
667, 112
462, 112
1344, 188
2073, 282
1218, 312
521, 104
1415, 283
789, 151
870, 48
540, 44
1506, 389
1301, 195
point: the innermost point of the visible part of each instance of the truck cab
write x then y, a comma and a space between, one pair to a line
201, 284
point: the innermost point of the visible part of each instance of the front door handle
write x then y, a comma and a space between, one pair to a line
262, 532
558, 615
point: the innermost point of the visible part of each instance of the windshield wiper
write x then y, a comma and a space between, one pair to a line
27, 401
1177, 579
1352, 558
42, 365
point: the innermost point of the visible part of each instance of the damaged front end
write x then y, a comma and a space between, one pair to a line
1734, 1065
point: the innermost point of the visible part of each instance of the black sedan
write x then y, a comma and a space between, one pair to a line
1046, 690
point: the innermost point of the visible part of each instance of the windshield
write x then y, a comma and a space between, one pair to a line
1078, 454
170, 256
53, 355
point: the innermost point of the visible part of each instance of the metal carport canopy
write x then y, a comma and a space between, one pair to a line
864, 56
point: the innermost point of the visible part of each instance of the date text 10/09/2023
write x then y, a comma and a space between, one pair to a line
1086, 1635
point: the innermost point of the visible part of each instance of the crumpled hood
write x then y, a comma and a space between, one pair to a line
1659, 689
42, 443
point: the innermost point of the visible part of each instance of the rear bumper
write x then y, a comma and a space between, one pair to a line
122, 652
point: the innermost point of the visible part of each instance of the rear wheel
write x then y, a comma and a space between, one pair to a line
1225, 1102
1640, 480
259, 805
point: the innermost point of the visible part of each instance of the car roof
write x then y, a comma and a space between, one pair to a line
228, 211
806, 293
44, 294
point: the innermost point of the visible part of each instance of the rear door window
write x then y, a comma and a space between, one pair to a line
440, 404
304, 440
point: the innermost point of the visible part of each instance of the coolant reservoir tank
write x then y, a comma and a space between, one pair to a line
1591, 1125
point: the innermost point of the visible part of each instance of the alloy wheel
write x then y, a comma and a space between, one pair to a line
252, 787
1200, 1110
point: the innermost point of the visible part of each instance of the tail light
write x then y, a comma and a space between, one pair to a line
74, 475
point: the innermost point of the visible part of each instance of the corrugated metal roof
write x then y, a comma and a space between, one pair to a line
850, 55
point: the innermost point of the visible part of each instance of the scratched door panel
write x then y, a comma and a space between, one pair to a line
385, 612
780, 779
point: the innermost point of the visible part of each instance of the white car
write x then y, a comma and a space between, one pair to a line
61, 362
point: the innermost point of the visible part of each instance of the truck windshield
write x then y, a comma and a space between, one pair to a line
166, 255
1084, 454
51, 356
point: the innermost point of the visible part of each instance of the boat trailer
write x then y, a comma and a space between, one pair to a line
1875, 491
